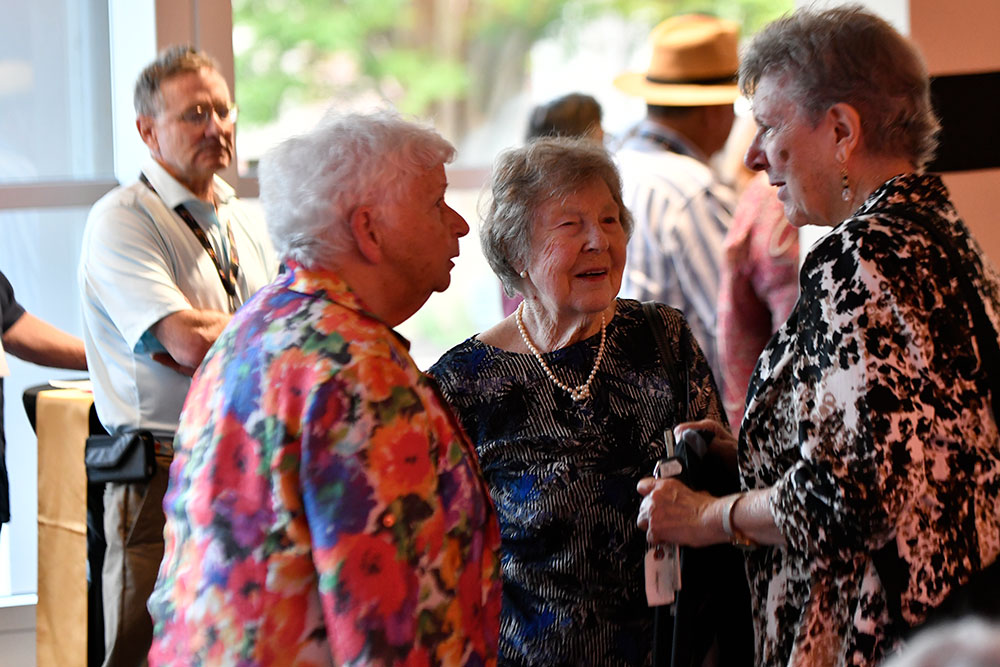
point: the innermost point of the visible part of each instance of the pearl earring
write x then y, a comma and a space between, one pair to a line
845, 192
523, 274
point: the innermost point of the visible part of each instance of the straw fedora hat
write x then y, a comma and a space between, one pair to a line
694, 63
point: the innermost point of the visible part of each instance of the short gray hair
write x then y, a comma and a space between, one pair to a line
169, 63
847, 54
523, 179
966, 642
311, 184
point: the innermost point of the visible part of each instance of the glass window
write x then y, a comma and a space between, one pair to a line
55, 92
39, 252
473, 69
55, 126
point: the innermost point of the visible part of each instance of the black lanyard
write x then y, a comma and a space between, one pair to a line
672, 145
229, 280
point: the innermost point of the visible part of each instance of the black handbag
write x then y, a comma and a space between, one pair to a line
128, 456
711, 622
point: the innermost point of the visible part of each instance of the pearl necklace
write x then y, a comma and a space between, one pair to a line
577, 393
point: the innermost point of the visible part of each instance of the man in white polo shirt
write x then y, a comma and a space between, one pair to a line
165, 263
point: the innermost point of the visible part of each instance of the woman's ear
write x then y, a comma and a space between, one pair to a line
367, 234
846, 129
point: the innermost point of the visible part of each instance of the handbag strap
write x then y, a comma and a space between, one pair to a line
892, 569
668, 359
663, 654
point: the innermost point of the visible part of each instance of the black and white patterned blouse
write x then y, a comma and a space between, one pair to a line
865, 415
563, 477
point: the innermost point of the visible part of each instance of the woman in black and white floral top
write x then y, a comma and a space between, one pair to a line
868, 425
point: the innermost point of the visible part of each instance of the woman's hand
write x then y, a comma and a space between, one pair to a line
721, 446
672, 513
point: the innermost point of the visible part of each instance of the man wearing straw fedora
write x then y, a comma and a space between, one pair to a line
681, 209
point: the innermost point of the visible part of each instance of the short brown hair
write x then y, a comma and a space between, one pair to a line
170, 62
848, 54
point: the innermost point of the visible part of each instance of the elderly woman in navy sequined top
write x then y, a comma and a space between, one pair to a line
566, 402
868, 449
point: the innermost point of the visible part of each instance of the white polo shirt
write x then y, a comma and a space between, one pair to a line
141, 262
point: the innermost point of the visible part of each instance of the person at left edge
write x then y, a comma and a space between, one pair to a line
26, 337
164, 264
324, 507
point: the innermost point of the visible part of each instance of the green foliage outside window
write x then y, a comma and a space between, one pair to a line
456, 61
420, 55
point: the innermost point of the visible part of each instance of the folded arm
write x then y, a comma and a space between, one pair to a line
187, 335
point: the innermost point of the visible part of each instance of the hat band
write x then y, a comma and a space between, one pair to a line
718, 81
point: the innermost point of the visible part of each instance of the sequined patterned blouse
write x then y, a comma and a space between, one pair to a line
324, 507
865, 415
563, 476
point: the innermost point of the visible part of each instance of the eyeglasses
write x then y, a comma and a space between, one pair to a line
200, 114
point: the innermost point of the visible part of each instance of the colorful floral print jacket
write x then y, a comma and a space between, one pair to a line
324, 507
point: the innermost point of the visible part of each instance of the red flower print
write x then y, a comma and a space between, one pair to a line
371, 576
202, 394
290, 378
245, 586
418, 657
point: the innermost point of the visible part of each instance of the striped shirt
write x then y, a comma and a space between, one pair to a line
682, 213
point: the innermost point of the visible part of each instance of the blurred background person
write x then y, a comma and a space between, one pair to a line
323, 506
567, 401
681, 206
868, 450
572, 115
757, 288
165, 262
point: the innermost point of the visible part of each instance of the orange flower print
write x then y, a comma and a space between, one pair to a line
332, 320
430, 537
399, 459
379, 376
283, 630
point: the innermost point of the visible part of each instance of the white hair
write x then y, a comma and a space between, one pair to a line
969, 642
311, 184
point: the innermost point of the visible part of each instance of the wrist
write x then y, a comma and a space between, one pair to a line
733, 533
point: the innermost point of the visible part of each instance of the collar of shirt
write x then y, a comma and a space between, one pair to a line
174, 193
665, 138
327, 283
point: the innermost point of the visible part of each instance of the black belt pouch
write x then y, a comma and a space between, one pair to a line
128, 456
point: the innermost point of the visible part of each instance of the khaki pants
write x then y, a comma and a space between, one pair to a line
133, 529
